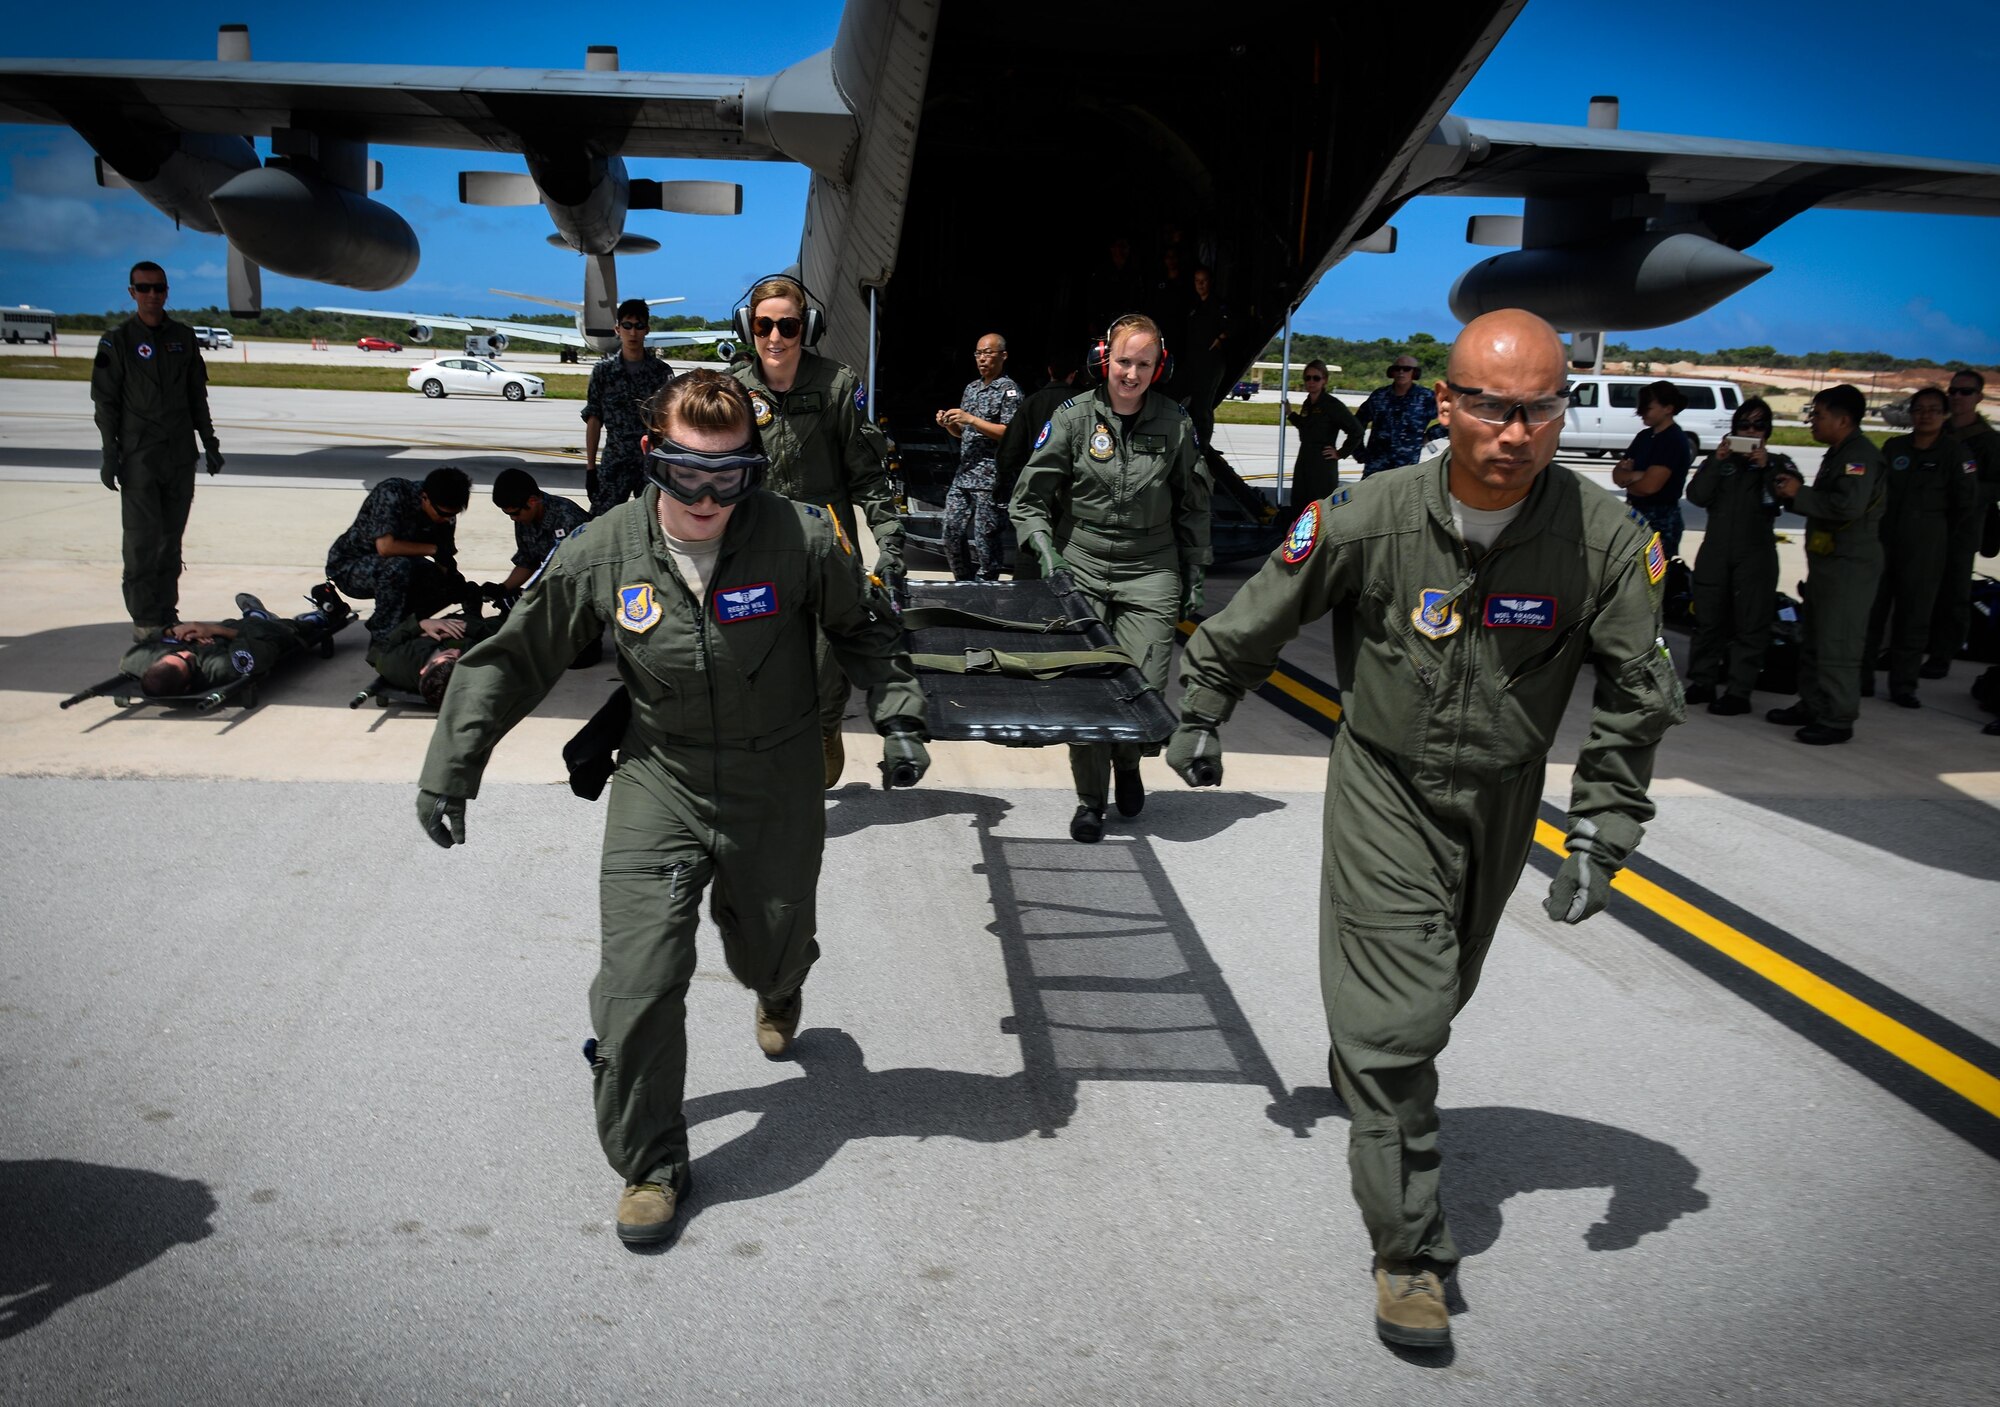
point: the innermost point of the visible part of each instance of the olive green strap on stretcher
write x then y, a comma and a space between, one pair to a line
933, 617
1052, 664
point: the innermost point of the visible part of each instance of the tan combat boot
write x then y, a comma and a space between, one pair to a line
777, 1023
834, 754
1409, 1305
646, 1211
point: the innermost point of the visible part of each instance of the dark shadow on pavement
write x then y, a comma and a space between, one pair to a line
1493, 1152
838, 1099
70, 1229
856, 806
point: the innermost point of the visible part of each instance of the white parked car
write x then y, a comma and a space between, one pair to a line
473, 376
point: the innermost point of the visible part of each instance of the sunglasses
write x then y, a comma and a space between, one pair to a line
1314, 378
149, 288
1402, 371
1965, 390
631, 327
690, 474
786, 328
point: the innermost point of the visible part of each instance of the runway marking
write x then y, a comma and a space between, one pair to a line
1922, 1054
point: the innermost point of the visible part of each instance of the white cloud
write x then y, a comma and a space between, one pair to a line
1956, 339
55, 226
209, 269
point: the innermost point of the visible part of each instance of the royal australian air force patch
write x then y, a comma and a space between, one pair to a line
1101, 446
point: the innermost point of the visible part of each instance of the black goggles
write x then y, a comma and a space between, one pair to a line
690, 474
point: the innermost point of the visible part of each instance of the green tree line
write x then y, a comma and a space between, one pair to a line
303, 324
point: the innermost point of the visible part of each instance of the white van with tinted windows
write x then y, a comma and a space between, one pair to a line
1604, 412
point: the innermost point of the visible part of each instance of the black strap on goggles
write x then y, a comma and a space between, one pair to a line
690, 474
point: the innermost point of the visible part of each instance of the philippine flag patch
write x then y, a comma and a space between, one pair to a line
1656, 560
1857, 469
1303, 537
746, 602
1521, 612
638, 608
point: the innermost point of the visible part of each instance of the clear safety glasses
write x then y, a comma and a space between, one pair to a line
1497, 410
692, 474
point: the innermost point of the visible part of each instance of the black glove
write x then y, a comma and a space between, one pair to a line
214, 457
904, 756
1582, 886
1045, 551
442, 817
889, 560
110, 470
492, 591
1195, 752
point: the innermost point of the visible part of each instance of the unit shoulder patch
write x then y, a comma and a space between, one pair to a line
638, 608
1303, 537
1101, 448
1436, 614
761, 409
245, 662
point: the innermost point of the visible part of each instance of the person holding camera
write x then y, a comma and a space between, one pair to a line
1736, 570
1655, 466
718, 589
1115, 496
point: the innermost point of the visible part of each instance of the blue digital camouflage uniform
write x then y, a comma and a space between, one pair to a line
400, 586
534, 541
1395, 426
618, 391
972, 521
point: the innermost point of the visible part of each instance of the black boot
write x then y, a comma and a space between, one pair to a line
1129, 792
1791, 716
1087, 825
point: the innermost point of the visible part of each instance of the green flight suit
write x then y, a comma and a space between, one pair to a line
1128, 510
1951, 616
1735, 572
256, 649
1843, 512
150, 389
719, 772
400, 656
1455, 669
825, 451
1932, 494
1320, 424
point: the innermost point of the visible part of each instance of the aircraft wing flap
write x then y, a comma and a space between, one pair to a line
481, 109
1519, 159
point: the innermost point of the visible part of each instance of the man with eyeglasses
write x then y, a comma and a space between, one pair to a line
717, 589
614, 411
1951, 616
1396, 417
150, 389
811, 412
1327, 431
1466, 595
972, 520
1843, 509
402, 548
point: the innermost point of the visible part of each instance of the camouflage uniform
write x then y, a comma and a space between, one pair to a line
534, 541
400, 586
1396, 426
971, 518
618, 391
150, 388
400, 656
260, 642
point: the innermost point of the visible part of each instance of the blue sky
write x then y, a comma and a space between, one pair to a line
1838, 74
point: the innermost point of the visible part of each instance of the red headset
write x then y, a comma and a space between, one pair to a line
1097, 362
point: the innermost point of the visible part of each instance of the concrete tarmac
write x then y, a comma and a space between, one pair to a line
293, 1104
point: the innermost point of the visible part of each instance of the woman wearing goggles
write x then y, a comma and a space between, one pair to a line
691, 475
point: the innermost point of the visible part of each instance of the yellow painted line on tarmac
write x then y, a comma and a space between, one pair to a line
1919, 1052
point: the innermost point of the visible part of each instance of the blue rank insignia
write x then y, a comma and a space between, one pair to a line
1303, 537
1656, 561
1521, 612
638, 608
1436, 614
746, 602
245, 662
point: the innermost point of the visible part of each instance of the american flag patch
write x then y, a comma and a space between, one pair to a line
1656, 560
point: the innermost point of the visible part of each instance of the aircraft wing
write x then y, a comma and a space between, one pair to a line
475, 109
1743, 190
686, 339
526, 331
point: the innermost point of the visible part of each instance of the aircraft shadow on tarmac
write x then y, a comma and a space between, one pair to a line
71, 1229
1495, 1152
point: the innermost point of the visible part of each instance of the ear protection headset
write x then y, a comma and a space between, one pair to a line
815, 319
1097, 362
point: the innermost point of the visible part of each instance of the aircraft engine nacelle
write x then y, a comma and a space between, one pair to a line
498, 342
418, 333
293, 220
1647, 280
176, 174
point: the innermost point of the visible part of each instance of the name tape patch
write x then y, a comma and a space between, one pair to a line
1521, 612
746, 602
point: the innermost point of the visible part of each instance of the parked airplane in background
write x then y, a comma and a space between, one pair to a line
418, 327
1133, 123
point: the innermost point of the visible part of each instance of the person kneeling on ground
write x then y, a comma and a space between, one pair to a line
401, 549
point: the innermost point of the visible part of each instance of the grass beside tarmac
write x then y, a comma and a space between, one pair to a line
290, 376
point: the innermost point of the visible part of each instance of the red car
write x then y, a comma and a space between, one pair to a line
377, 344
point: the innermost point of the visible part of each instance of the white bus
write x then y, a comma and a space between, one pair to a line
26, 324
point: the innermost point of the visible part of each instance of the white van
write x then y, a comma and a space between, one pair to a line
1604, 412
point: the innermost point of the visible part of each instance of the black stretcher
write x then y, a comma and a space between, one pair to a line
384, 694
979, 678
123, 689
